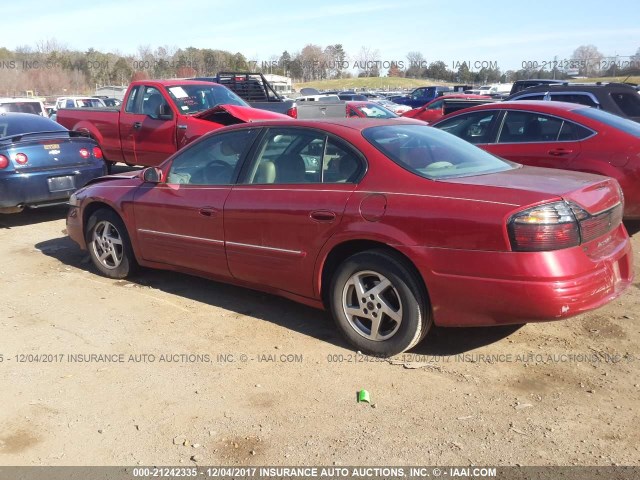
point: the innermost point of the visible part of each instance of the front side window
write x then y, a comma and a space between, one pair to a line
473, 127
526, 127
298, 156
213, 161
435, 105
152, 101
430, 153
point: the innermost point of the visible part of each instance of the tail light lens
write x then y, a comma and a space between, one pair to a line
4, 162
21, 158
293, 112
559, 225
84, 153
97, 152
546, 227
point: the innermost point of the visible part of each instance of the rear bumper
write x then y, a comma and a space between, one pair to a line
30, 189
471, 288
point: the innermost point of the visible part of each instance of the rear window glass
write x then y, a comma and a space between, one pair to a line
17, 124
21, 107
432, 153
621, 123
629, 103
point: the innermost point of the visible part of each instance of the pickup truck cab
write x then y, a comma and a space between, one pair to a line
158, 117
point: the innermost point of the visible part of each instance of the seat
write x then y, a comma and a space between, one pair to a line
266, 172
532, 131
290, 168
152, 104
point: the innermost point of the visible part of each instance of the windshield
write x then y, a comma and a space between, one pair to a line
197, 98
621, 123
371, 110
432, 153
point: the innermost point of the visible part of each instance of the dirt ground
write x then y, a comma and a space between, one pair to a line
230, 376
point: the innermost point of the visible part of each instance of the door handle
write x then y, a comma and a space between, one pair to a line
137, 125
208, 211
559, 152
323, 216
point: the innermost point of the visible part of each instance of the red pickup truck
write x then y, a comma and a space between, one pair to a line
158, 117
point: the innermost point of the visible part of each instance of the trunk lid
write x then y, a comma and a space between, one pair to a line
594, 193
49, 151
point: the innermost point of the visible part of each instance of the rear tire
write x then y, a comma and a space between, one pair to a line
109, 245
378, 303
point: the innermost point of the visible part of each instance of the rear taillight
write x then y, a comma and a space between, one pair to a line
293, 112
84, 153
4, 162
97, 152
546, 227
559, 225
21, 158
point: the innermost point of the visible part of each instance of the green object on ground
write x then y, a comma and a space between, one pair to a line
363, 396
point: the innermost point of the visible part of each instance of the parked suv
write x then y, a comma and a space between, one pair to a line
618, 98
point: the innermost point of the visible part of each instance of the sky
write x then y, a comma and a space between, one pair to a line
505, 33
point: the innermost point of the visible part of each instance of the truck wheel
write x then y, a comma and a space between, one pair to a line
109, 245
378, 303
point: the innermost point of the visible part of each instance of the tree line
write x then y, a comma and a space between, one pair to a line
51, 68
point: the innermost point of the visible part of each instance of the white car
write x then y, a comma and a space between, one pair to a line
23, 105
79, 102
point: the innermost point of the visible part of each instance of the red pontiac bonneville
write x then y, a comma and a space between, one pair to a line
391, 225
562, 135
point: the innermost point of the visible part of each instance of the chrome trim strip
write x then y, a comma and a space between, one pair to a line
444, 197
176, 235
271, 249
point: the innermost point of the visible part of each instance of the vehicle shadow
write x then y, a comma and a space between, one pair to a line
280, 311
32, 216
632, 226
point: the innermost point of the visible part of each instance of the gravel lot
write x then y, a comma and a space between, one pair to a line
224, 375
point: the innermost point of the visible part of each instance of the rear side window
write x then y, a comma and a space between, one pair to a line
525, 127
575, 98
572, 131
132, 100
629, 103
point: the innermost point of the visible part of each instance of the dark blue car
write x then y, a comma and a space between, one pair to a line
421, 96
43, 163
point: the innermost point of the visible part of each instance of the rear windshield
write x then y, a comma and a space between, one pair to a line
17, 124
21, 107
432, 153
621, 123
197, 98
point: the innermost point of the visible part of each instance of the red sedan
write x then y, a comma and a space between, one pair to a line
441, 106
561, 135
391, 225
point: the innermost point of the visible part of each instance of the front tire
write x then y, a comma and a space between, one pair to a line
378, 303
109, 245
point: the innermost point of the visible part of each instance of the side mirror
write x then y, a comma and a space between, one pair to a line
152, 175
164, 112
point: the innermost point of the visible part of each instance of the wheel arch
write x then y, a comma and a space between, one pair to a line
343, 250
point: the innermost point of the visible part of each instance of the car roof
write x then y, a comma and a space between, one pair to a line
354, 123
567, 86
18, 99
176, 82
528, 104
